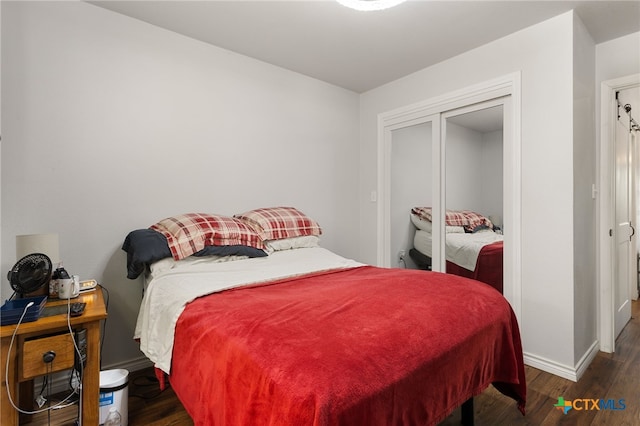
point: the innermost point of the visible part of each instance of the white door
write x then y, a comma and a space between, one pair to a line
612, 315
629, 112
634, 284
624, 232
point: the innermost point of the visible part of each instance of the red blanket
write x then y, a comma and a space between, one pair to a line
367, 345
488, 266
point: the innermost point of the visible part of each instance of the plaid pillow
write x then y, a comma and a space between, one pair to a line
465, 218
276, 223
189, 233
476, 220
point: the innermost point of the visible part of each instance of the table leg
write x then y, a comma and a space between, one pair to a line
26, 400
8, 414
91, 378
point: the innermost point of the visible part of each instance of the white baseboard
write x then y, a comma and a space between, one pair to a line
551, 367
131, 365
586, 359
571, 373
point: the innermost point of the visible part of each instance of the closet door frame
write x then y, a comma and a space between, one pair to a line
506, 90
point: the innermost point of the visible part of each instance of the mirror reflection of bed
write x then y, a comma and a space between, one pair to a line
473, 182
473, 245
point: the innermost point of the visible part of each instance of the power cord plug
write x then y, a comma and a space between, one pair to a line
41, 400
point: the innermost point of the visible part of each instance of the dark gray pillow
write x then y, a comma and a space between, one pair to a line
230, 251
145, 246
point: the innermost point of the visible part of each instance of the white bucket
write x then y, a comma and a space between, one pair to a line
114, 392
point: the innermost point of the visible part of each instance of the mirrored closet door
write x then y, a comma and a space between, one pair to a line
457, 152
410, 158
411, 185
473, 151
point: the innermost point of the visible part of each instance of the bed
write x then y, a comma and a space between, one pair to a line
305, 336
473, 246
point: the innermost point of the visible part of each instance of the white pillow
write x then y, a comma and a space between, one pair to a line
422, 224
427, 226
454, 229
170, 263
304, 241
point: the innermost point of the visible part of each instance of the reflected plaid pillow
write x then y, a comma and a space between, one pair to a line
466, 218
276, 223
189, 233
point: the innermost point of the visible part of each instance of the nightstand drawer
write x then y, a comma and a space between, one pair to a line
32, 362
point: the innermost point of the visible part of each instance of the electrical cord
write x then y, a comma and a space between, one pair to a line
75, 374
49, 386
104, 322
44, 384
80, 363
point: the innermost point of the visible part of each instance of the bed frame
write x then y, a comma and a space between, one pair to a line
467, 413
422, 261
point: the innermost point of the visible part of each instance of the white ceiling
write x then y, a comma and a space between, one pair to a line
483, 121
363, 50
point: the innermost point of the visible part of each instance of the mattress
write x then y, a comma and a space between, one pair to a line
461, 249
176, 283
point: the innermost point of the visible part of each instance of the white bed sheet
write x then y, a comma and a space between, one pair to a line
461, 249
172, 288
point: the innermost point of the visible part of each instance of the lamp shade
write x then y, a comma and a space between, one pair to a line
38, 243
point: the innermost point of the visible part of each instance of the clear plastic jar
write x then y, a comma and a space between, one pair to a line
114, 418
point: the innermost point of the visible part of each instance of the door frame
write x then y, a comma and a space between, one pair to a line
606, 211
507, 86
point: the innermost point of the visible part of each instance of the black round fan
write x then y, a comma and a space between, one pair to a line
30, 273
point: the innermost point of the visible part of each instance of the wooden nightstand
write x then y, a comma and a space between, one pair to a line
49, 332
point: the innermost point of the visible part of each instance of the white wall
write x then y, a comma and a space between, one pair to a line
617, 58
463, 149
410, 185
543, 55
110, 124
492, 174
584, 176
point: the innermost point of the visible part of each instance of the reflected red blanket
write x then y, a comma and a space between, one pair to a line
488, 266
366, 345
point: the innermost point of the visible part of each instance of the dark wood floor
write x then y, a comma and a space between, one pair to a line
610, 376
